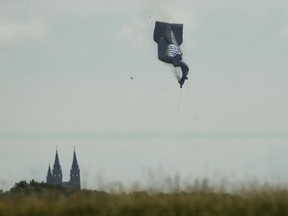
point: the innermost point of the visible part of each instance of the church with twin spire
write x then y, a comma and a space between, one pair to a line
54, 177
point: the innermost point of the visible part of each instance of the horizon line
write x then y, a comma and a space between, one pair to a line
34, 135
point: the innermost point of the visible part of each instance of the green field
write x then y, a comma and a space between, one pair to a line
40, 199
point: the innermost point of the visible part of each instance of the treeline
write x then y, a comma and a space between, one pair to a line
24, 187
34, 186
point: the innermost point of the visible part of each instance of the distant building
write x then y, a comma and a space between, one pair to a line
55, 176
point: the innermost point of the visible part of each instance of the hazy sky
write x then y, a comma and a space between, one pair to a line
65, 69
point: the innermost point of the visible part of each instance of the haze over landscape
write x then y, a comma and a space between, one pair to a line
65, 82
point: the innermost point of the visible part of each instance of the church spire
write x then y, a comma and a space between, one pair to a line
75, 163
49, 176
57, 171
75, 173
56, 162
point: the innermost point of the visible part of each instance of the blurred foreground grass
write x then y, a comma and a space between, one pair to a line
62, 202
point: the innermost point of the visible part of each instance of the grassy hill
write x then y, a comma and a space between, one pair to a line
31, 199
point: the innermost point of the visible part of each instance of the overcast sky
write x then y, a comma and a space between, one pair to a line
65, 81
